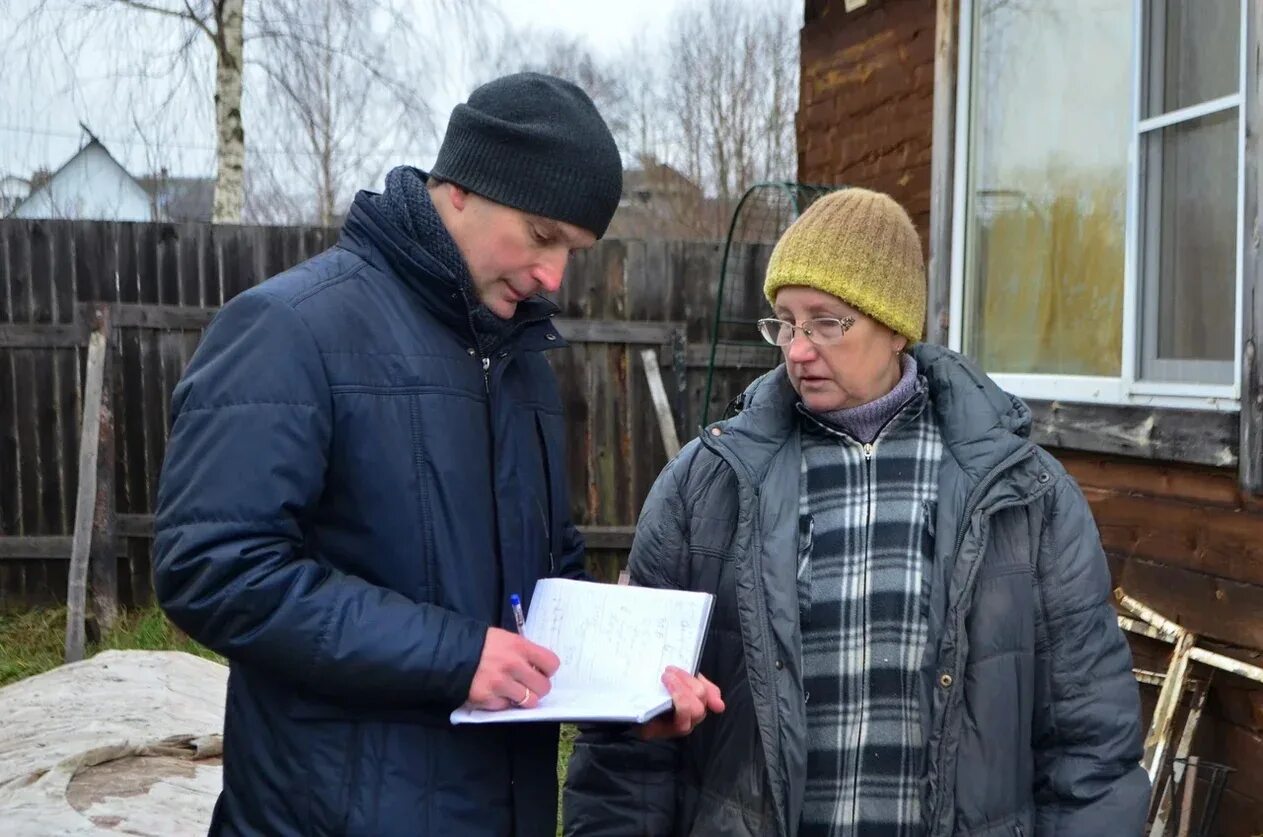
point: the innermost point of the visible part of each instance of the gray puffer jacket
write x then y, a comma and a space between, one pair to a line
1031, 714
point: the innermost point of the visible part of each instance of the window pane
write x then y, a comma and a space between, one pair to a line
1047, 185
1190, 235
1193, 47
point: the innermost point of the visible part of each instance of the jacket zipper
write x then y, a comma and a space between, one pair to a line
486, 374
546, 517
869, 479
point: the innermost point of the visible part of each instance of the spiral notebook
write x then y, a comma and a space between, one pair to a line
614, 643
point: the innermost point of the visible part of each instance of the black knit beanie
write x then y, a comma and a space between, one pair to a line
535, 143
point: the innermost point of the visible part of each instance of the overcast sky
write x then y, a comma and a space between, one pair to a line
39, 122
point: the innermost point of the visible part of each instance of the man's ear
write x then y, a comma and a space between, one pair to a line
458, 197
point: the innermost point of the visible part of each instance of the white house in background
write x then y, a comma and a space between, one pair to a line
12, 190
92, 185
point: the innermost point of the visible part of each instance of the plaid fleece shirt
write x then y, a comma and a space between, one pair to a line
867, 515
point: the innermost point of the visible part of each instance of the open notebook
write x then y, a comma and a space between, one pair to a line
614, 642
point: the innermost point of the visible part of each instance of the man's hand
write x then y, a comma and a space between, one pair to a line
512, 672
693, 698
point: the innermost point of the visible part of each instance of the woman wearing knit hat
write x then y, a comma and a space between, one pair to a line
913, 631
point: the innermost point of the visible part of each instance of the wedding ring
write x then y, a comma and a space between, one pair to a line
524, 699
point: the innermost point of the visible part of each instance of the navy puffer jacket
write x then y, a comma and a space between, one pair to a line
351, 491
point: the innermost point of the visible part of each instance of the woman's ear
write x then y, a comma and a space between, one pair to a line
899, 343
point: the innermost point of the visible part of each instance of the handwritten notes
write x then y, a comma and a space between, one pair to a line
614, 642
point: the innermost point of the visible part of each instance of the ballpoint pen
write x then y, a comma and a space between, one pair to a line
515, 602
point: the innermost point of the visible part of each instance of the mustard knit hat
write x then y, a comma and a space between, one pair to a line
861, 247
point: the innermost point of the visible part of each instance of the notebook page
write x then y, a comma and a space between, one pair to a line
613, 639
614, 642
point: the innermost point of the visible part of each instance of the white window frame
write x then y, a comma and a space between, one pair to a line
1125, 389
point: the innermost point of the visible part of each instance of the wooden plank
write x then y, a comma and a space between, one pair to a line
146, 238
130, 438
10, 472
12, 577
1215, 541
134, 525
7, 232
1239, 815
156, 316
753, 358
69, 409
152, 419
102, 560
1196, 436
1171, 481
1251, 426
61, 272
141, 526
42, 336
608, 537
616, 431
22, 304
1205, 604
1240, 705
65, 372
942, 169
42, 280
1242, 750
616, 331
45, 547
85, 505
42, 405
128, 276
650, 286
658, 392
31, 457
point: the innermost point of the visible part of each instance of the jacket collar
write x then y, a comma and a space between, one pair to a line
371, 236
981, 425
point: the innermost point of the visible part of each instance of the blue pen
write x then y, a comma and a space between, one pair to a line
515, 602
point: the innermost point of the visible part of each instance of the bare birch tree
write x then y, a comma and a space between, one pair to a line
217, 23
304, 61
344, 82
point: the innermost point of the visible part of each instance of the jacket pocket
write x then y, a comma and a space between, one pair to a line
330, 774
806, 540
428, 591
551, 505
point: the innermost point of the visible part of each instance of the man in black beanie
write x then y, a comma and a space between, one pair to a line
366, 460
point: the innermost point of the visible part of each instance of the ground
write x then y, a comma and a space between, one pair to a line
33, 642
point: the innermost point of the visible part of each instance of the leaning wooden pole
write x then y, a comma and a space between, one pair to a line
86, 499
102, 555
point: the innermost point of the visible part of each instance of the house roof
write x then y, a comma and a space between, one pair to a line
653, 176
93, 144
180, 198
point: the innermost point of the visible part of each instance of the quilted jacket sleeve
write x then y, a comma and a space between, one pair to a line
245, 463
618, 784
1088, 741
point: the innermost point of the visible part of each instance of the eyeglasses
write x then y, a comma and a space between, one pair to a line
823, 331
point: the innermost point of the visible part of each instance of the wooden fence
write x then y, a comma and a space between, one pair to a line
159, 284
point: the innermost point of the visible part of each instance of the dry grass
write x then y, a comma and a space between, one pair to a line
33, 642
